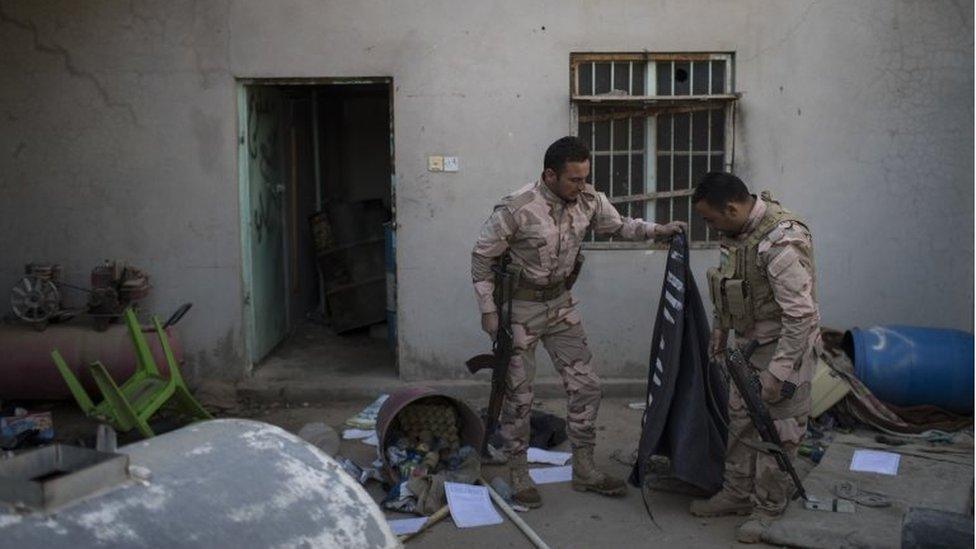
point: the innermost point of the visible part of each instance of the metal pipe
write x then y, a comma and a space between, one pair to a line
525, 528
431, 520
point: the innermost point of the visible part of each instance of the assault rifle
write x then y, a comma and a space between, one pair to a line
506, 280
747, 382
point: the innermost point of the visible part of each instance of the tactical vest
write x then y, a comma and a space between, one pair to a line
740, 288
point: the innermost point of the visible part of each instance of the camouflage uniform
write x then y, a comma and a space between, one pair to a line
543, 234
785, 321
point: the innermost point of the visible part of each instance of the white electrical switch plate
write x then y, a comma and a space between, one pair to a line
450, 163
435, 163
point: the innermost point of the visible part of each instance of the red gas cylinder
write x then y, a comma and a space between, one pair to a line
27, 371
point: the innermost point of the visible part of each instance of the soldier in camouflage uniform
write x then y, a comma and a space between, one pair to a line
763, 290
541, 226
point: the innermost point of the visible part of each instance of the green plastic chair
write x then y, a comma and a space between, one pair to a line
142, 395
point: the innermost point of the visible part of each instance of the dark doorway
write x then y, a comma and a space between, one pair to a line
321, 283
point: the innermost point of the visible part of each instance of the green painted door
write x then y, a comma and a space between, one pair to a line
264, 218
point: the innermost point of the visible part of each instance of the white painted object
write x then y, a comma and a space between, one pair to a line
219, 483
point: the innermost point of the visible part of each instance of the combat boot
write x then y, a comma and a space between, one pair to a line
586, 477
722, 503
523, 489
752, 530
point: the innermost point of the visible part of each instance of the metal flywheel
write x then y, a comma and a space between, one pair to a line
35, 299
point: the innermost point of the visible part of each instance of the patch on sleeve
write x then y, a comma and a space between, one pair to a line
788, 256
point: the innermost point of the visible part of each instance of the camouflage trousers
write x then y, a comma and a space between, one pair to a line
558, 325
751, 473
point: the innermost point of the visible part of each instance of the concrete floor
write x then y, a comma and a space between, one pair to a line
567, 518
317, 366
316, 350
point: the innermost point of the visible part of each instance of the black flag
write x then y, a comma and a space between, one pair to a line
687, 397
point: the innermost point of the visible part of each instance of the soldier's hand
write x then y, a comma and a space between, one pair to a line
717, 343
489, 323
772, 387
670, 229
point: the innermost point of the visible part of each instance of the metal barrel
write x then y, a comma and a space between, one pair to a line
27, 372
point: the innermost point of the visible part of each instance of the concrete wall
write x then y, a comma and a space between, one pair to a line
118, 140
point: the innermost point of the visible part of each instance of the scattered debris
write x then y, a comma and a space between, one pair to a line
407, 526
873, 461
549, 475
812, 450
356, 434
852, 492
366, 419
546, 431
923, 480
470, 505
834, 505
423, 448
22, 429
538, 455
362, 474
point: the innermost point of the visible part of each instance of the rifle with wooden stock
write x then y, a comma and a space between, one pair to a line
747, 382
503, 347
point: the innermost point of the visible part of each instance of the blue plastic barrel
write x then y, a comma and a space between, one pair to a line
908, 366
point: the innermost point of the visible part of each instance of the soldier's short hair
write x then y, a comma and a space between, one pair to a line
563, 150
718, 189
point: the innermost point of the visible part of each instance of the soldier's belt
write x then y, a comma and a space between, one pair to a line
526, 291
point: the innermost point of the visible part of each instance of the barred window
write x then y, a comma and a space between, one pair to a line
655, 124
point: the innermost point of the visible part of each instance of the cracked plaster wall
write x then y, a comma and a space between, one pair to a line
118, 124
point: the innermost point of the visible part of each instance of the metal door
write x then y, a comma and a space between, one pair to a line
262, 208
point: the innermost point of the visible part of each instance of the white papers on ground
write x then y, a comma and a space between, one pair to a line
366, 419
874, 461
470, 505
406, 526
549, 475
538, 455
372, 440
353, 434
